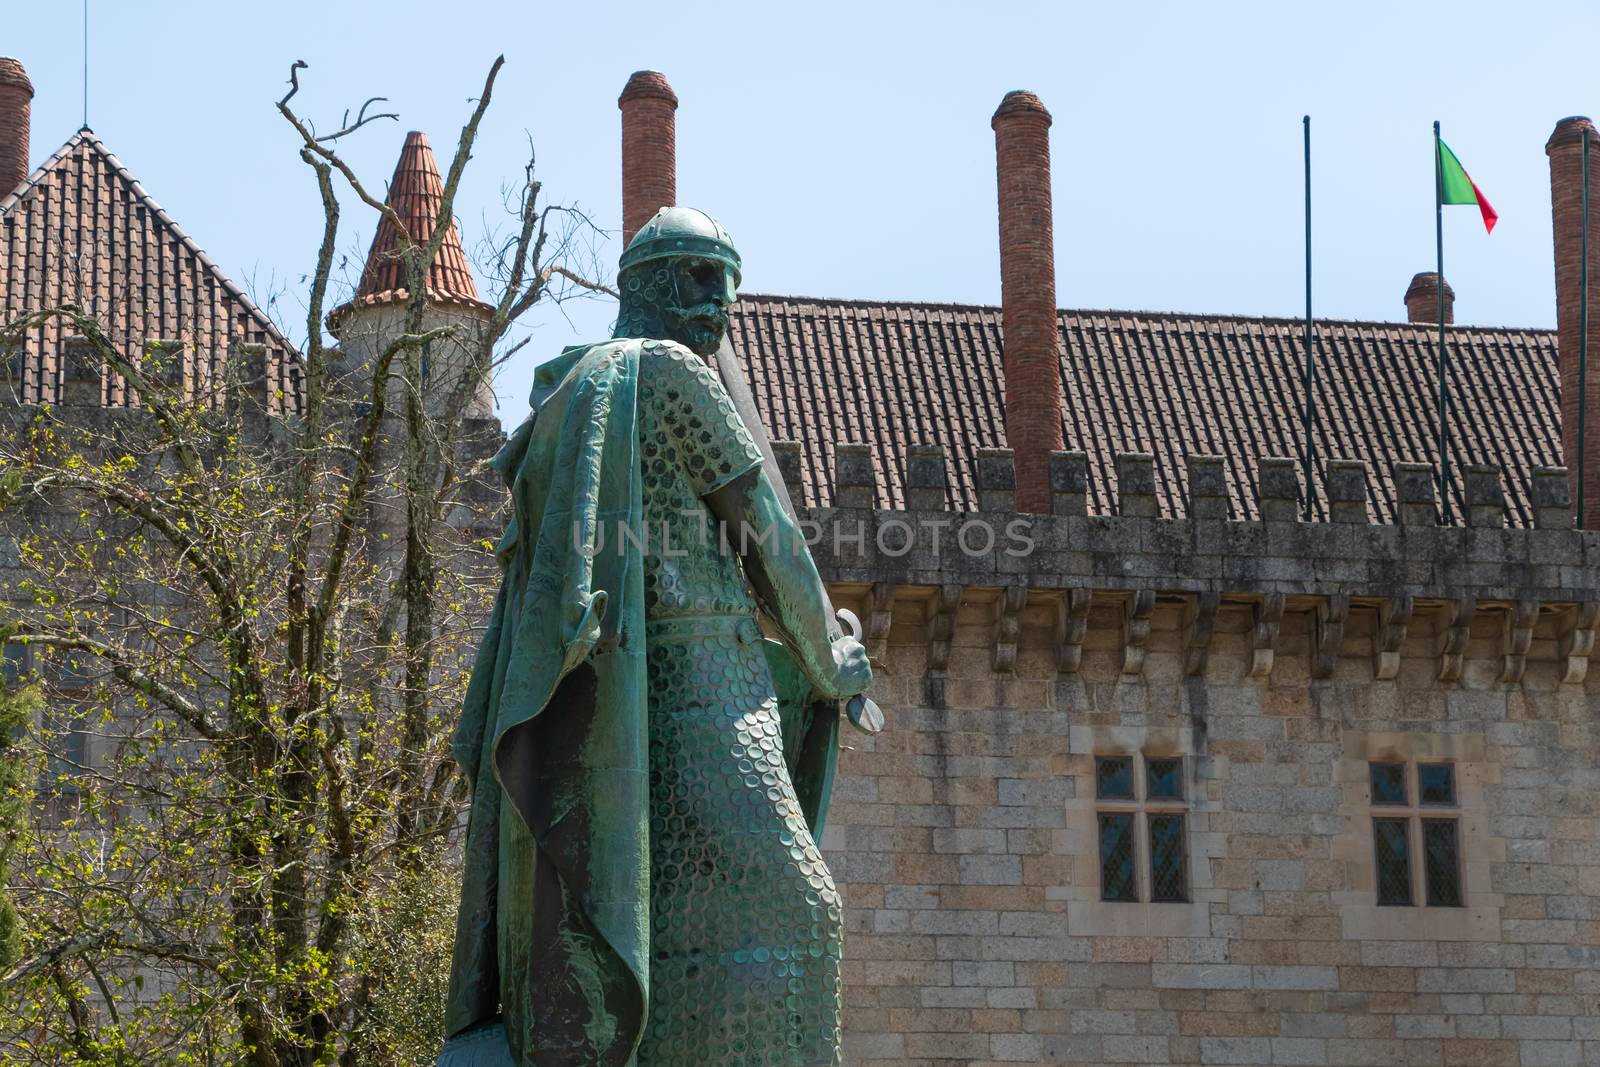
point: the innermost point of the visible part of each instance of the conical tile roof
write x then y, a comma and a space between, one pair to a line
416, 192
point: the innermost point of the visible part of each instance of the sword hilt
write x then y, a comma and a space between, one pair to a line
862, 711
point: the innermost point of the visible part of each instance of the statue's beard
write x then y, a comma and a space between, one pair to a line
701, 327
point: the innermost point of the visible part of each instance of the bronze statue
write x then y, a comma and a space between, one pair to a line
643, 883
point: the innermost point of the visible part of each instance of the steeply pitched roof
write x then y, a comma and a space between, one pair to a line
895, 374
416, 192
82, 230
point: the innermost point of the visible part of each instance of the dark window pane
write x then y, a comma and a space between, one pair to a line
1389, 783
13, 664
1113, 777
1166, 858
74, 669
75, 746
1164, 779
68, 733
1117, 881
13, 671
1441, 860
1394, 861
1436, 782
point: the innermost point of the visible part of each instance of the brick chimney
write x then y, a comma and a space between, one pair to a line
16, 101
649, 149
1422, 299
1028, 294
1565, 149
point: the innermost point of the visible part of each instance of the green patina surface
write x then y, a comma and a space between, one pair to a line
643, 883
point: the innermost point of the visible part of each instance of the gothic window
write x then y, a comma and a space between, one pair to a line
1424, 836
1141, 827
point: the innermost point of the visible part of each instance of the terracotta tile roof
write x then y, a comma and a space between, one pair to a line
83, 230
416, 192
896, 374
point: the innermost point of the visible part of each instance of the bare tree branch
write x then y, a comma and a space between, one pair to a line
122, 665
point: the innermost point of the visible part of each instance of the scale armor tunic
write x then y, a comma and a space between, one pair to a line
745, 921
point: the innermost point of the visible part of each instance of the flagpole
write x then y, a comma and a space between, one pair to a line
1444, 388
1311, 370
1583, 319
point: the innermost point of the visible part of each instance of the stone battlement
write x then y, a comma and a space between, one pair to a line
1277, 488
1358, 587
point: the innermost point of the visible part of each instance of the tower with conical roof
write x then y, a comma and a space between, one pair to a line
377, 312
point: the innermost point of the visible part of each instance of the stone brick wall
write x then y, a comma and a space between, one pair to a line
964, 841
473, 509
366, 331
1277, 658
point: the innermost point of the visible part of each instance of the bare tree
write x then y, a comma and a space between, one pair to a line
248, 860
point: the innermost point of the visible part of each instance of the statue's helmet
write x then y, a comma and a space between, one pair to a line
674, 232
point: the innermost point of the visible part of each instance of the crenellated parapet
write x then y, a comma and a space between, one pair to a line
245, 389
1351, 581
245, 386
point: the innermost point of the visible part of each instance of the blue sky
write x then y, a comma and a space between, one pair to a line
847, 145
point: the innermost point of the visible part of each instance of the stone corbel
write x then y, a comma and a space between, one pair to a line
1136, 611
1008, 626
1328, 632
1577, 641
1516, 638
1072, 622
880, 613
941, 632
1454, 626
1394, 616
1199, 622
1264, 633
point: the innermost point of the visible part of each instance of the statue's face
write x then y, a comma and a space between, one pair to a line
705, 289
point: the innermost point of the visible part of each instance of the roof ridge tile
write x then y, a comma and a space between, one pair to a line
1146, 318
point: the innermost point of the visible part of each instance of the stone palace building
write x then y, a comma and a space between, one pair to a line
1173, 774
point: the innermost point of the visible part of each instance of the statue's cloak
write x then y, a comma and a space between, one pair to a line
553, 931
555, 714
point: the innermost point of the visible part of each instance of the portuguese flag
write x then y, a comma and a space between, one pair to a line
1457, 187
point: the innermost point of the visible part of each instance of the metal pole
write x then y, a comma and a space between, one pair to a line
1444, 388
1583, 320
1311, 368
86, 64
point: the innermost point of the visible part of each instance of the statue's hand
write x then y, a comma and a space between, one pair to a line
582, 628
852, 673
